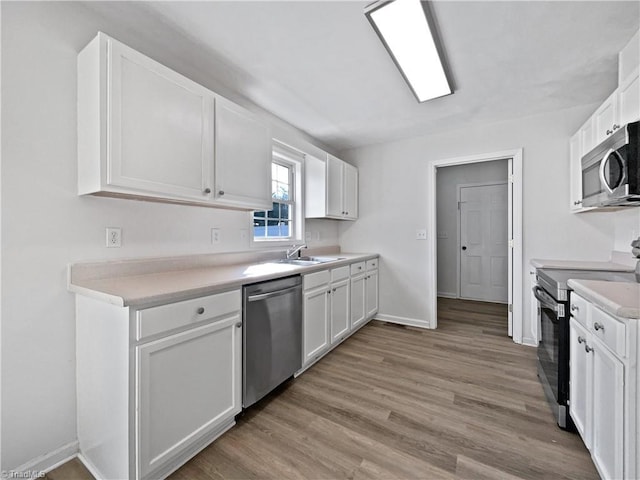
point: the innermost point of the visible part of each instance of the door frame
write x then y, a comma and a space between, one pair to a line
514, 157
459, 188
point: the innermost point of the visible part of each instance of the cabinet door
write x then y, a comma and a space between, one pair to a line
335, 190
358, 301
575, 173
350, 191
243, 158
629, 99
587, 136
579, 380
160, 127
371, 293
316, 323
188, 385
605, 117
608, 412
340, 313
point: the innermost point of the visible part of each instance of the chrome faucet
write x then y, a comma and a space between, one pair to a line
294, 250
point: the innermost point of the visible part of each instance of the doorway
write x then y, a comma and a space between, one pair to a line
514, 236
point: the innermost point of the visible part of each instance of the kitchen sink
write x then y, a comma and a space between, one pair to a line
305, 261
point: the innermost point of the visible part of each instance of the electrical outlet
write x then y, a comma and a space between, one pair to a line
318, 236
308, 236
421, 234
244, 234
114, 237
443, 235
216, 236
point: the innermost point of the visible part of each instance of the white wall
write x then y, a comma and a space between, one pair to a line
626, 228
393, 204
447, 181
45, 226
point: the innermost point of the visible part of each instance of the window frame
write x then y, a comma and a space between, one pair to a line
295, 203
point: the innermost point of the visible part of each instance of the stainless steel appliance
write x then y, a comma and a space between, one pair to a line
272, 337
554, 295
611, 171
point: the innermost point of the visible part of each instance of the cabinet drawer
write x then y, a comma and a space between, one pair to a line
313, 280
357, 268
160, 319
578, 309
339, 273
372, 264
609, 330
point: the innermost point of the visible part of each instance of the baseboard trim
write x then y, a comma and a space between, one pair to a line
411, 322
45, 463
89, 466
447, 295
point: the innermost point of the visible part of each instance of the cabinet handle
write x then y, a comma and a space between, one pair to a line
574, 308
587, 348
329, 292
333, 290
616, 126
239, 324
207, 191
577, 202
221, 192
200, 310
346, 213
609, 132
598, 326
581, 340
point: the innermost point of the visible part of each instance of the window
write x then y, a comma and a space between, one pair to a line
284, 223
278, 223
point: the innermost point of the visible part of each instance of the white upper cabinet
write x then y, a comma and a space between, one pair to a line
620, 108
629, 98
331, 189
145, 131
243, 158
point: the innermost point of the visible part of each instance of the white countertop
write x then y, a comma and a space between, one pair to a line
621, 299
580, 265
153, 288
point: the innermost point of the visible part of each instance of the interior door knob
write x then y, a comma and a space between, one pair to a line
464, 247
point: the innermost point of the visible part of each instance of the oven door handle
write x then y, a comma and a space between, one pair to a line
545, 299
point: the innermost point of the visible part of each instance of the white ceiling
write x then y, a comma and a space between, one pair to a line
320, 66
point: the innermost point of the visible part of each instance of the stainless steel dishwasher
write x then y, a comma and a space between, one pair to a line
272, 340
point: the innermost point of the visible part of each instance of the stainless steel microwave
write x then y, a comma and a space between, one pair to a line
611, 171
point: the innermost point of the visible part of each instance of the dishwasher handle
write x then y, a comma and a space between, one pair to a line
263, 296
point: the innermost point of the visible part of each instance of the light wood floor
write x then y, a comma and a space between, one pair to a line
395, 402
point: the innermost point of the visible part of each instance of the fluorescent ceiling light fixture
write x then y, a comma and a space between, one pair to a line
406, 32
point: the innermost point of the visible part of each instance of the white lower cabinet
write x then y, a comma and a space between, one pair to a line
603, 377
339, 317
156, 385
315, 318
188, 384
332, 299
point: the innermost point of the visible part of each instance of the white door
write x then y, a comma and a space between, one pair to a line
315, 323
243, 158
350, 191
188, 385
335, 189
484, 243
372, 293
160, 128
608, 412
579, 380
339, 310
358, 299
